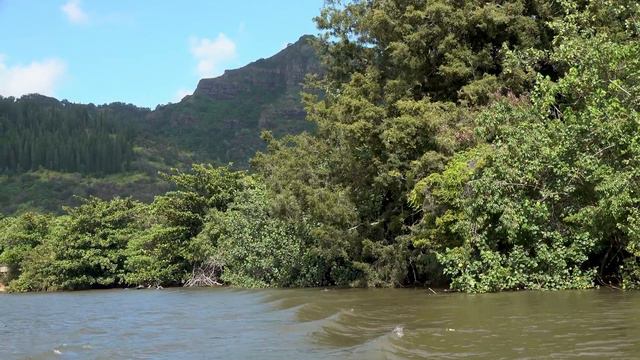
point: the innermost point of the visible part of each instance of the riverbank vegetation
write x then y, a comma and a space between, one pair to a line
483, 145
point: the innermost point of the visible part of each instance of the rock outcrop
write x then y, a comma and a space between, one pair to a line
223, 119
284, 71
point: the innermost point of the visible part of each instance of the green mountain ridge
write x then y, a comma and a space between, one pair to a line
222, 121
118, 149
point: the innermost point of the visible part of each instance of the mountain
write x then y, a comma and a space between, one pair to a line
222, 121
280, 73
51, 150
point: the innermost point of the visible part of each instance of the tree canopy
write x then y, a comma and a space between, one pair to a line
480, 145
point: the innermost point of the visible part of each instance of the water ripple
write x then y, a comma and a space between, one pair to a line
316, 324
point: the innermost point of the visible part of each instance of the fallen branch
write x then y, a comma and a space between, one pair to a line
205, 275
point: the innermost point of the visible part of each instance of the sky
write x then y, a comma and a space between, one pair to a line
144, 52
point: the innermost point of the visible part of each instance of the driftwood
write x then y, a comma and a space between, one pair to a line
207, 274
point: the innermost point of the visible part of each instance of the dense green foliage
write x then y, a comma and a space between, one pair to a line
82, 249
226, 131
254, 248
51, 150
482, 145
39, 132
46, 190
214, 215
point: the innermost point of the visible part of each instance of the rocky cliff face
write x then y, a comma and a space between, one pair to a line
284, 71
222, 121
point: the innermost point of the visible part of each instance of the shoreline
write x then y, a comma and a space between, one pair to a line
434, 290
427, 290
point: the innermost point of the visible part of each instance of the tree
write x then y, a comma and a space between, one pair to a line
84, 248
404, 82
164, 253
18, 237
552, 203
252, 247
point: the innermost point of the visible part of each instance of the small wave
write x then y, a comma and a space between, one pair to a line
398, 331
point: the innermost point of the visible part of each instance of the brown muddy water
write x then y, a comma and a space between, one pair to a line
319, 324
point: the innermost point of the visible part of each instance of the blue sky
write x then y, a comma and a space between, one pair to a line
145, 52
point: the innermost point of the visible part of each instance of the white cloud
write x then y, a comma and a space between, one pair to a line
37, 77
74, 12
180, 94
210, 54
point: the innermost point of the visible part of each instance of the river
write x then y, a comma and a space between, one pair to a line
319, 324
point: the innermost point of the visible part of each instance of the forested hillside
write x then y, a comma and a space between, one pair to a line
478, 145
222, 121
52, 153
39, 132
